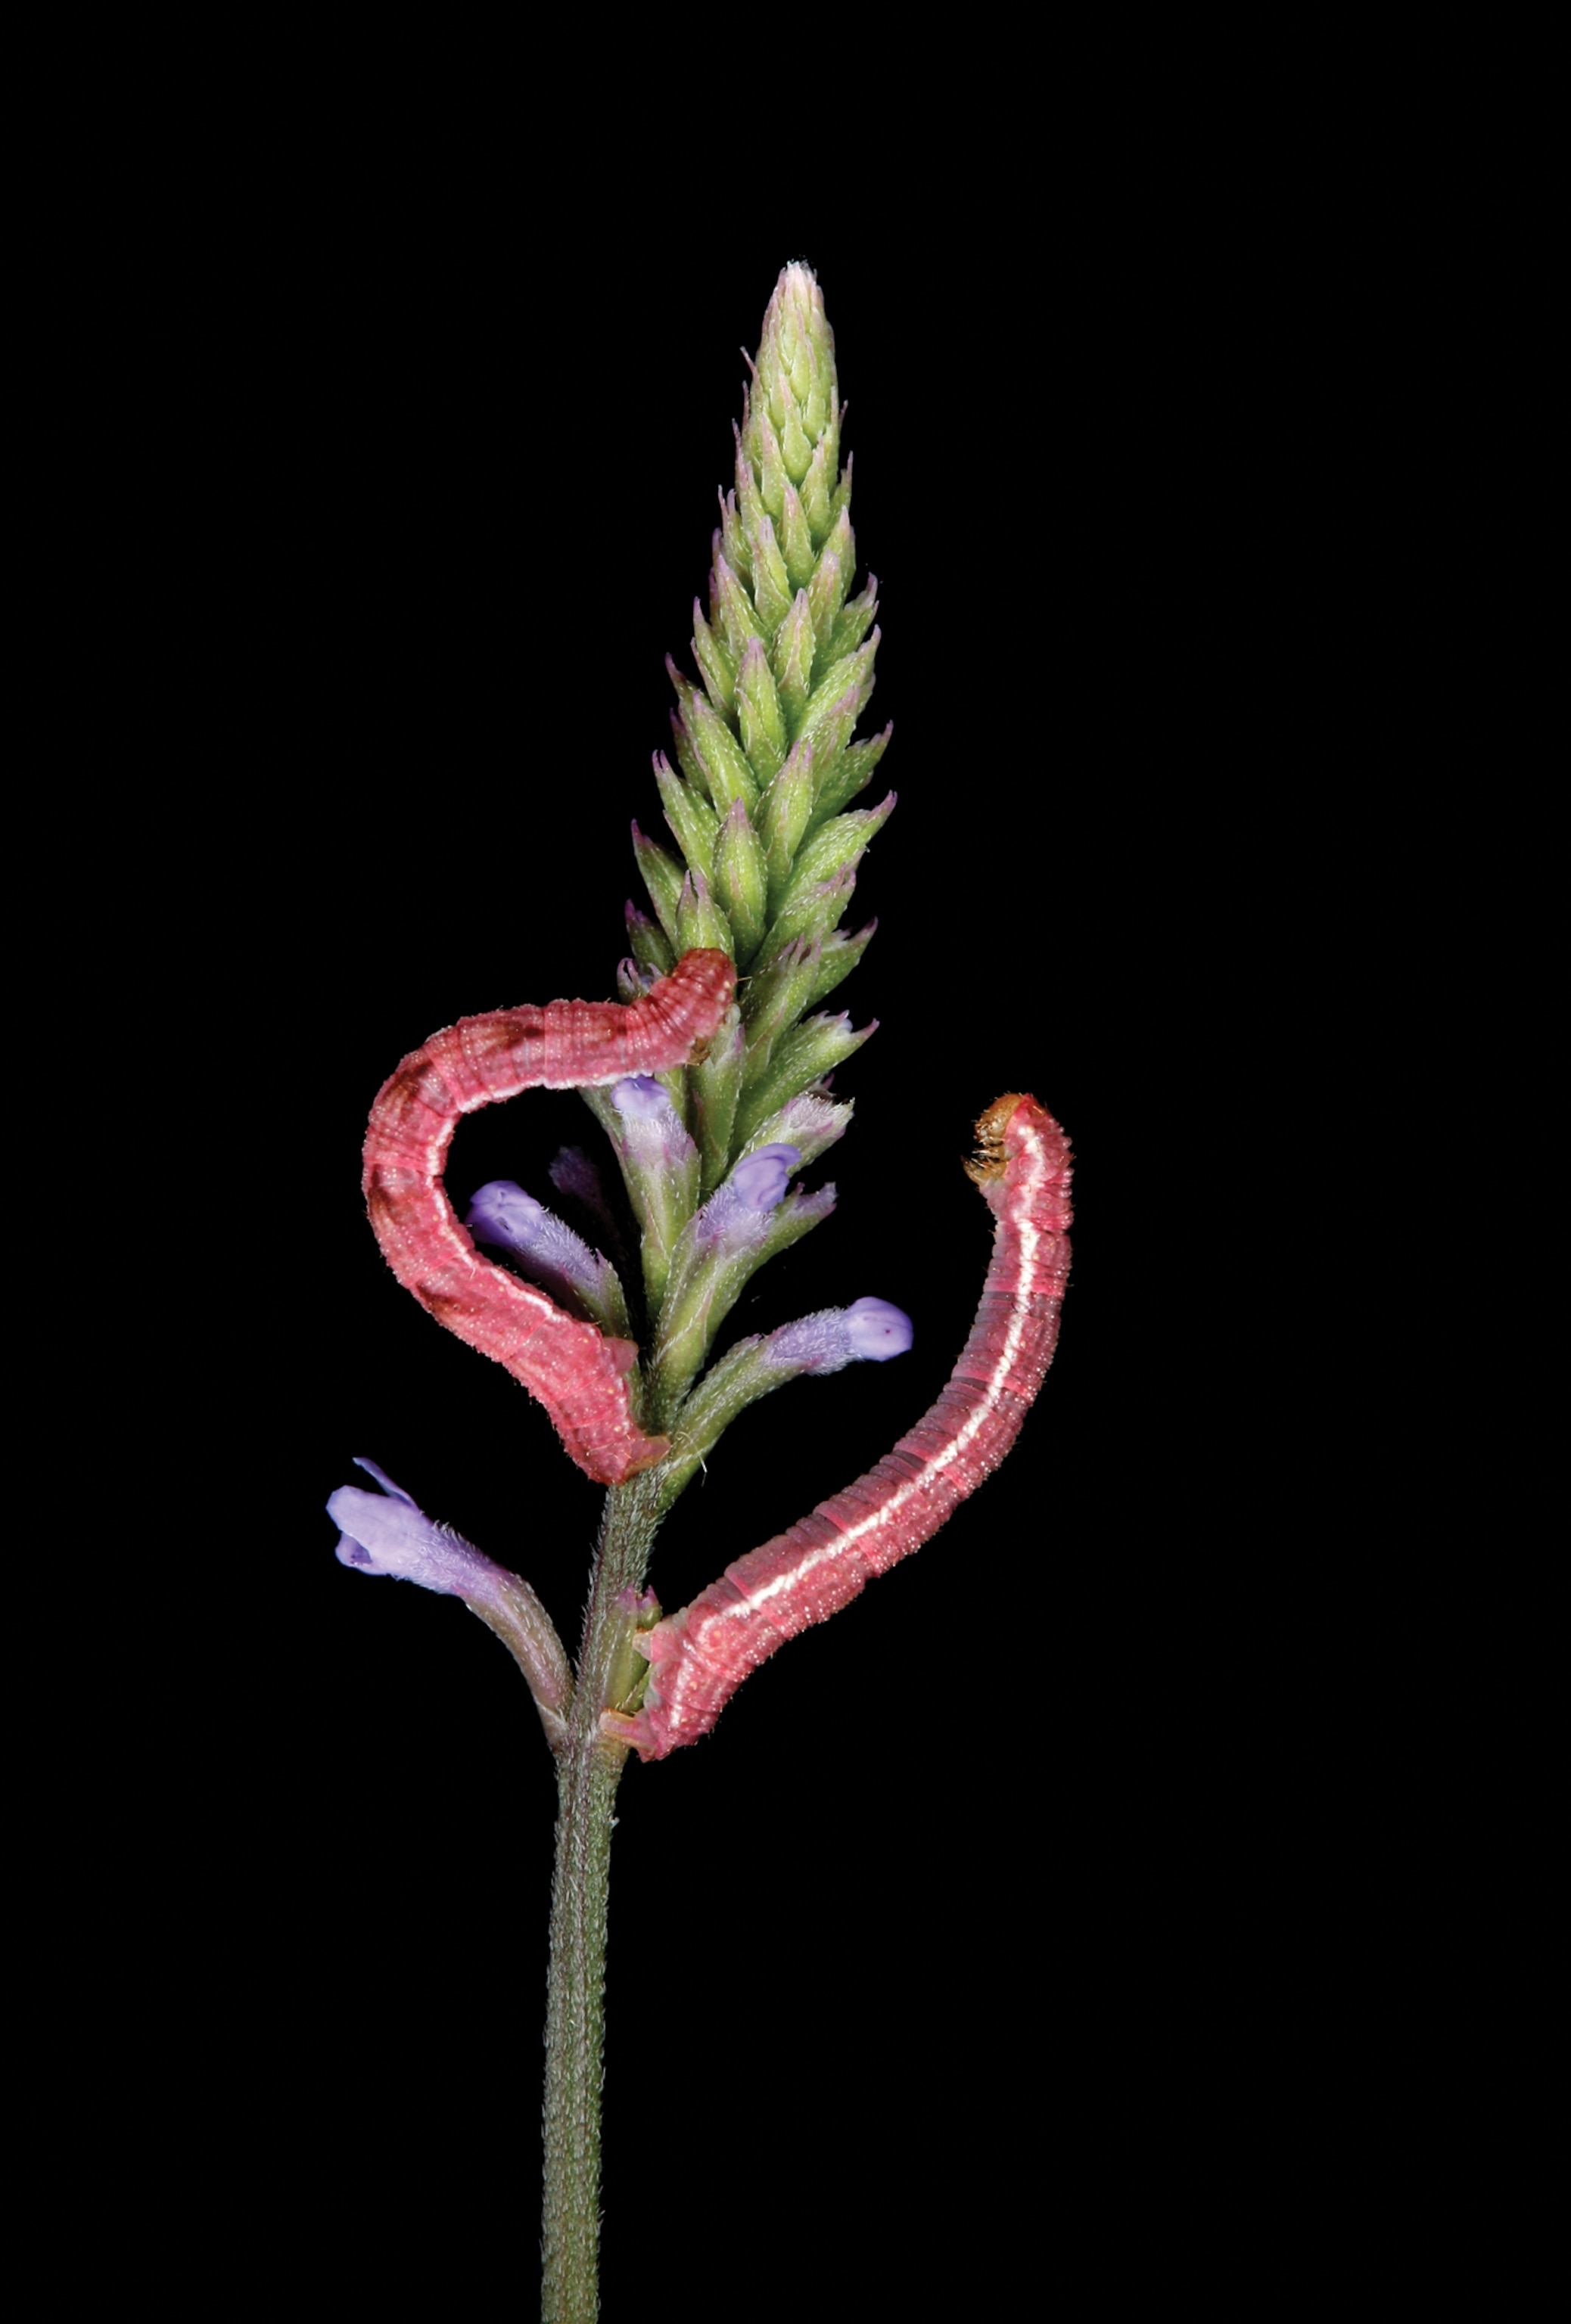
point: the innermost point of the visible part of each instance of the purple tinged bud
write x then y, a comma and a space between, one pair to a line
735, 1213
503, 1212
760, 1179
870, 1331
633, 980
652, 1136
550, 1253
877, 1330
639, 1098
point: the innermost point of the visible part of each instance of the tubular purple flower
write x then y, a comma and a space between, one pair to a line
877, 1330
550, 1253
760, 1178
386, 1533
870, 1331
735, 1211
653, 1136
639, 1098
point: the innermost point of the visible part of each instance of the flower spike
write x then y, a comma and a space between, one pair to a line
579, 1374
699, 1656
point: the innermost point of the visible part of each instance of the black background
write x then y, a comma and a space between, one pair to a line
1028, 1894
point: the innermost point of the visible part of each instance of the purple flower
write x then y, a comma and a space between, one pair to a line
760, 1179
550, 1253
390, 1536
652, 1133
639, 1098
870, 1331
385, 1532
734, 1213
877, 1330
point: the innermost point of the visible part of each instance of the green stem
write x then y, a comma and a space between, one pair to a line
588, 1772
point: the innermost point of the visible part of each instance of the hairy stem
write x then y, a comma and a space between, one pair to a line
588, 1770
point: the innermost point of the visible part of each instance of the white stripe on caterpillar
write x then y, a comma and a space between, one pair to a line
699, 1656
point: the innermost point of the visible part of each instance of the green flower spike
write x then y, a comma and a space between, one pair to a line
765, 763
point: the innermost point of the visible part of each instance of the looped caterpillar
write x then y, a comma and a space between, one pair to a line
579, 1374
699, 1656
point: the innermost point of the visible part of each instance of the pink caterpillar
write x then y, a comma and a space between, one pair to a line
700, 1655
579, 1374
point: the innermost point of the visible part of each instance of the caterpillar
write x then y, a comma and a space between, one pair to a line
575, 1370
699, 1656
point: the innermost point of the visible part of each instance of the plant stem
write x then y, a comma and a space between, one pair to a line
588, 1773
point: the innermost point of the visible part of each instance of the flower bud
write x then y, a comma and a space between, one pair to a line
650, 948
549, 1253
801, 1057
849, 772
784, 812
734, 606
791, 661
692, 820
869, 1331
743, 1223
758, 708
772, 584
715, 667
727, 774
811, 915
775, 1000
841, 841
701, 925
716, 1083
757, 1183
795, 540
829, 729
660, 1167
810, 1123
852, 623
827, 592
741, 881
663, 880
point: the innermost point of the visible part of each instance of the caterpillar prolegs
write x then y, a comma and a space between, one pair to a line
575, 1370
